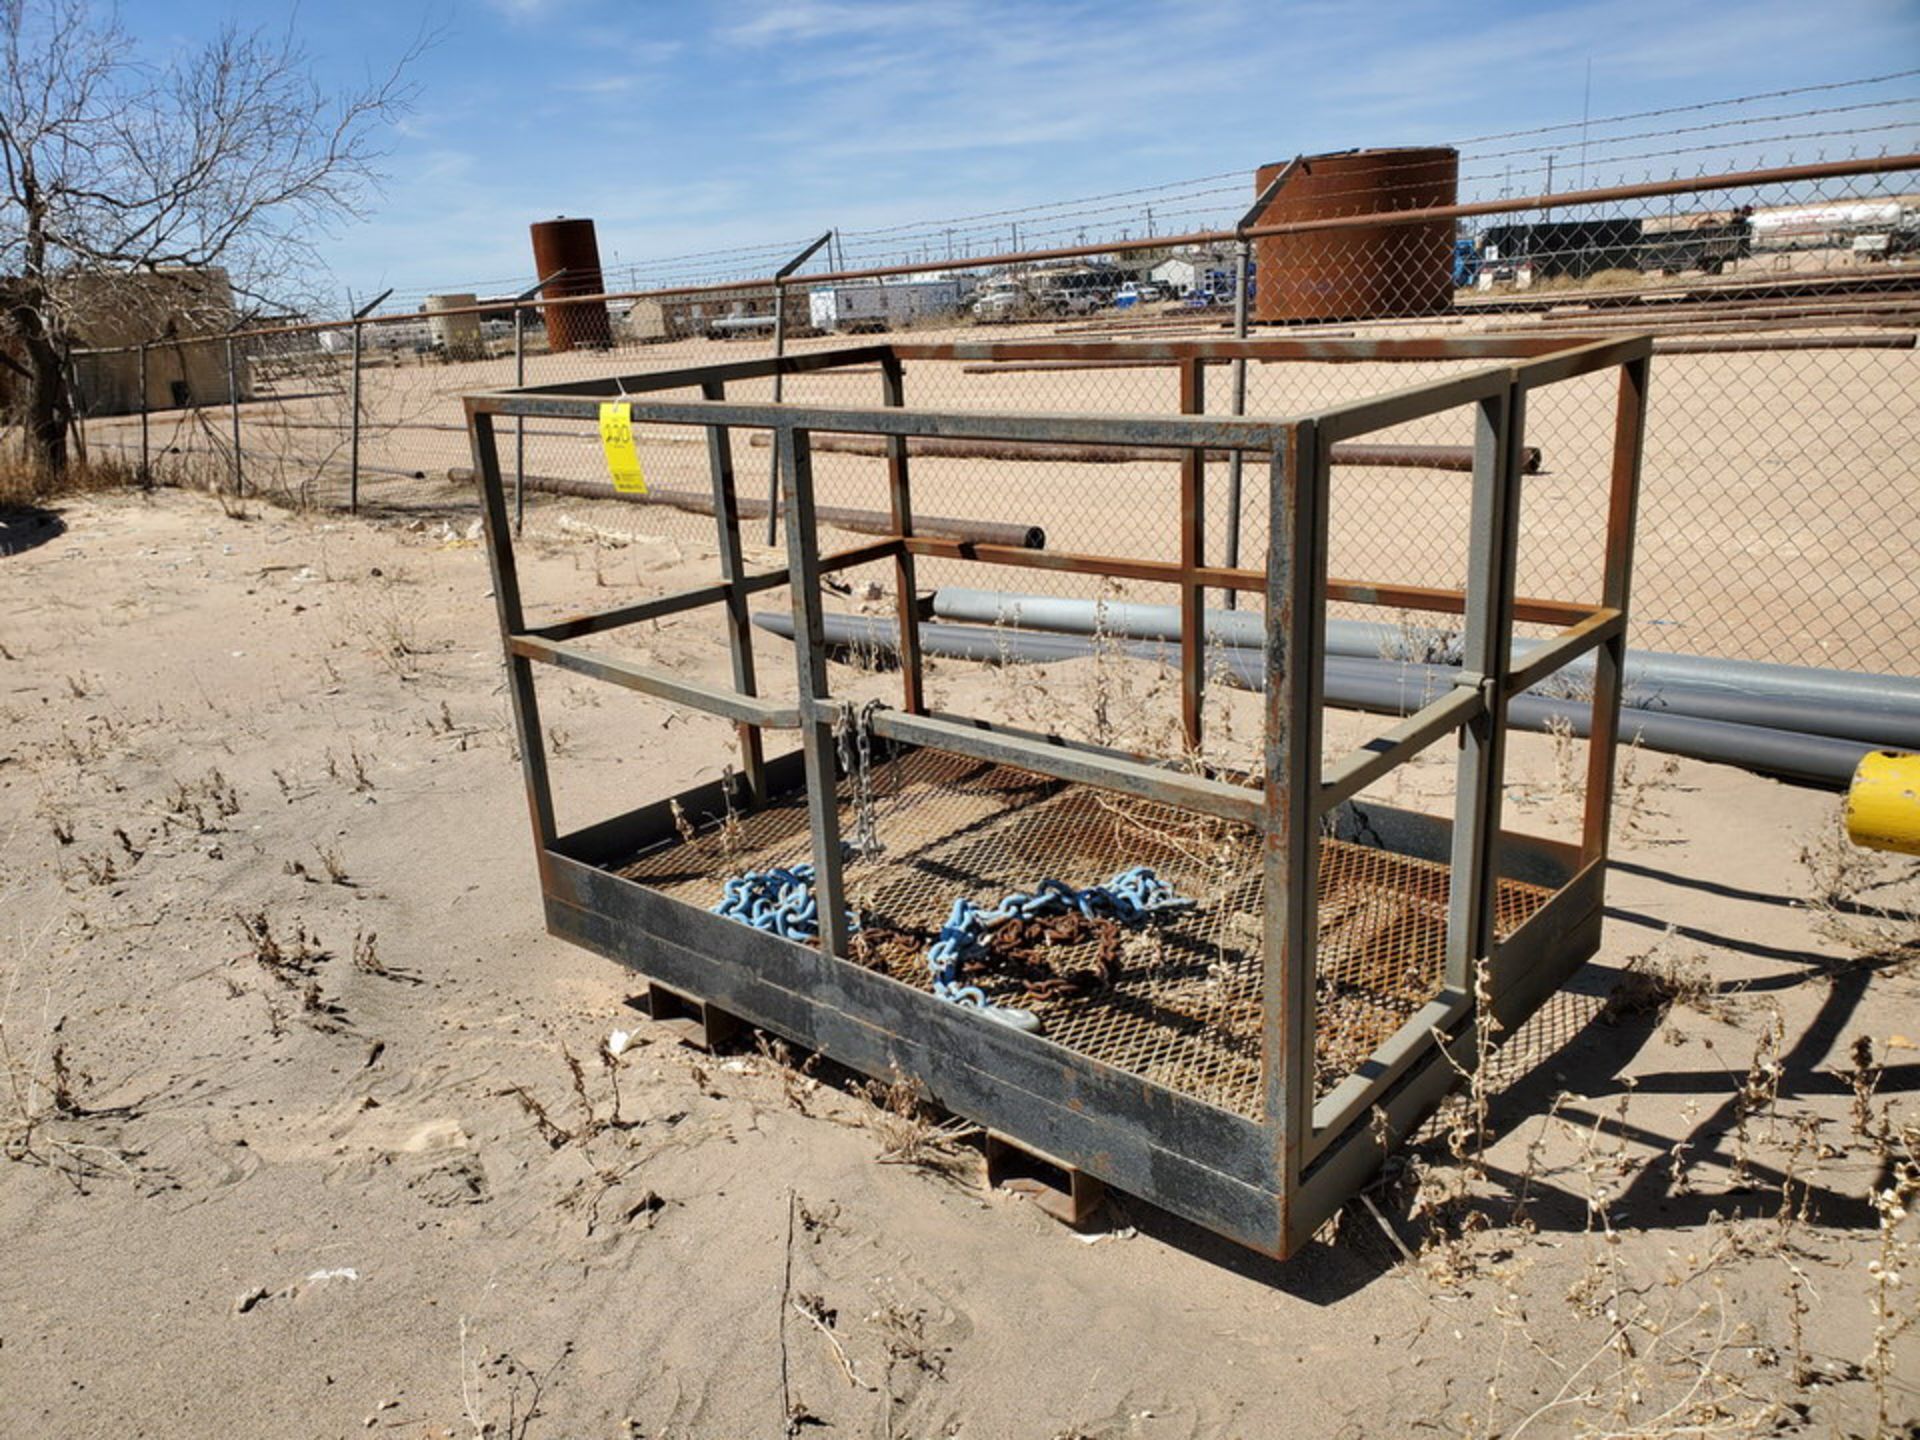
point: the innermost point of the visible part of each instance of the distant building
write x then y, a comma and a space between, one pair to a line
179, 315
1193, 269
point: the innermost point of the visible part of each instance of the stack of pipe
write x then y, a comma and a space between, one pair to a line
1789, 721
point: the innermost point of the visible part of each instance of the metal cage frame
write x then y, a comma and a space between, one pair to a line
1268, 1182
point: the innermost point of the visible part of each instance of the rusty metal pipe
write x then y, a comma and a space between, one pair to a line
862, 522
1784, 174
1410, 457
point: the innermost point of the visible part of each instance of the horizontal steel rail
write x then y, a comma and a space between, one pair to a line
1411, 402
657, 683
1564, 648
648, 382
1161, 572
1165, 572
1530, 608
1224, 349
1062, 761
596, 622
1173, 432
1349, 1101
1393, 748
1581, 356
764, 285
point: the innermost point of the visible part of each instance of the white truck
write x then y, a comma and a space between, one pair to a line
873, 307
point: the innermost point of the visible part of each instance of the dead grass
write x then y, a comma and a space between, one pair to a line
23, 485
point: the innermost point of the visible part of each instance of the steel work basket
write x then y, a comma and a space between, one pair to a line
1246, 1068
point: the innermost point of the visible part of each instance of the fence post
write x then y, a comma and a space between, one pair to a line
1243, 253
519, 422
76, 406
519, 380
233, 408
779, 352
353, 443
146, 473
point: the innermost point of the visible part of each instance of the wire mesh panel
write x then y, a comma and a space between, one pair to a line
1777, 497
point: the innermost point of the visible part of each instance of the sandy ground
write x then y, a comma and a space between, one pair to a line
293, 1147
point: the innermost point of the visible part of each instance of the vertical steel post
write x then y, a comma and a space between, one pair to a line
1610, 659
1486, 645
810, 653
506, 594
146, 472
726, 517
1193, 549
1290, 832
893, 382
233, 407
353, 442
1242, 264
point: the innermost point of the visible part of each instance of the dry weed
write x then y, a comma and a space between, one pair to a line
1866, 901
1657, 981
910, 1132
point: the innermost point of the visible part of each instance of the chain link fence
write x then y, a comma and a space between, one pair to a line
1780, 505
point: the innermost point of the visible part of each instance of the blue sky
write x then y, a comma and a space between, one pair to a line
688, 127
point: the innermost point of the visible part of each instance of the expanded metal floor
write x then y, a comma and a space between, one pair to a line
1182, 1005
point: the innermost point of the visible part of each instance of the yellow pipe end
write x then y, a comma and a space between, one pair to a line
1883, 803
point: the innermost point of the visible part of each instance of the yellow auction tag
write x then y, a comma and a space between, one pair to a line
616, 438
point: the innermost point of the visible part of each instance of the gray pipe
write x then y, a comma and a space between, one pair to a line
1388, 687
1648, 671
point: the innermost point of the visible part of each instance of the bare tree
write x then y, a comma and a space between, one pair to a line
114, 166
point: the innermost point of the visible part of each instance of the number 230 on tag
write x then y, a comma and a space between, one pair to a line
616, 438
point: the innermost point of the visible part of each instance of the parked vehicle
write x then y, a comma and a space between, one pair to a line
1064, 300
1003, 304
1138, 292
1708, 246
869, 309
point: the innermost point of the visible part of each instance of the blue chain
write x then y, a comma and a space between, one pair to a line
1129, 897
781, 902
778, 901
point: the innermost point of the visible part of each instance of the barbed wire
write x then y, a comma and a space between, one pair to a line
1212, 201
1694, 107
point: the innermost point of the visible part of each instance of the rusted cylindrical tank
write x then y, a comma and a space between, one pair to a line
1361, 271
570, 247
